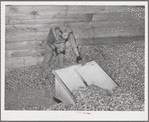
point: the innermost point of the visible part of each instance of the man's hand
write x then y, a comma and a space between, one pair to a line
80, 60
56, 51
83, 62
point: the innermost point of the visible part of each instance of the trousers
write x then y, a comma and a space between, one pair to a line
49, 53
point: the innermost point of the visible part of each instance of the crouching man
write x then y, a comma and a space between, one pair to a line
56, 43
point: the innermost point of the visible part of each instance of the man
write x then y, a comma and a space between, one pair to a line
56, 42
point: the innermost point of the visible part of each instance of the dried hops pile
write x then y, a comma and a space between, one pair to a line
24, 87
28, 76
94, 98
124, 63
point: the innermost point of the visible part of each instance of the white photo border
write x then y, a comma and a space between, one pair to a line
71, 115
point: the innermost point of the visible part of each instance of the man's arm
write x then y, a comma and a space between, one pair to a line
73, 43
50, 39
74, 46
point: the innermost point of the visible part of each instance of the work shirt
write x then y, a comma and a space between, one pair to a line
51, 39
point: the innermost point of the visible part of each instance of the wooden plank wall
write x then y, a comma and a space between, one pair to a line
26, 28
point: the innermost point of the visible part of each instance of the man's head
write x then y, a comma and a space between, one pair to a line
64, 35
65, 31
57, 31
61, 33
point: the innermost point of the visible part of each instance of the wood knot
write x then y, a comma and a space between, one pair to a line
40, 45
34, 13
141, 30
13, 9
102, 9
12, 55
